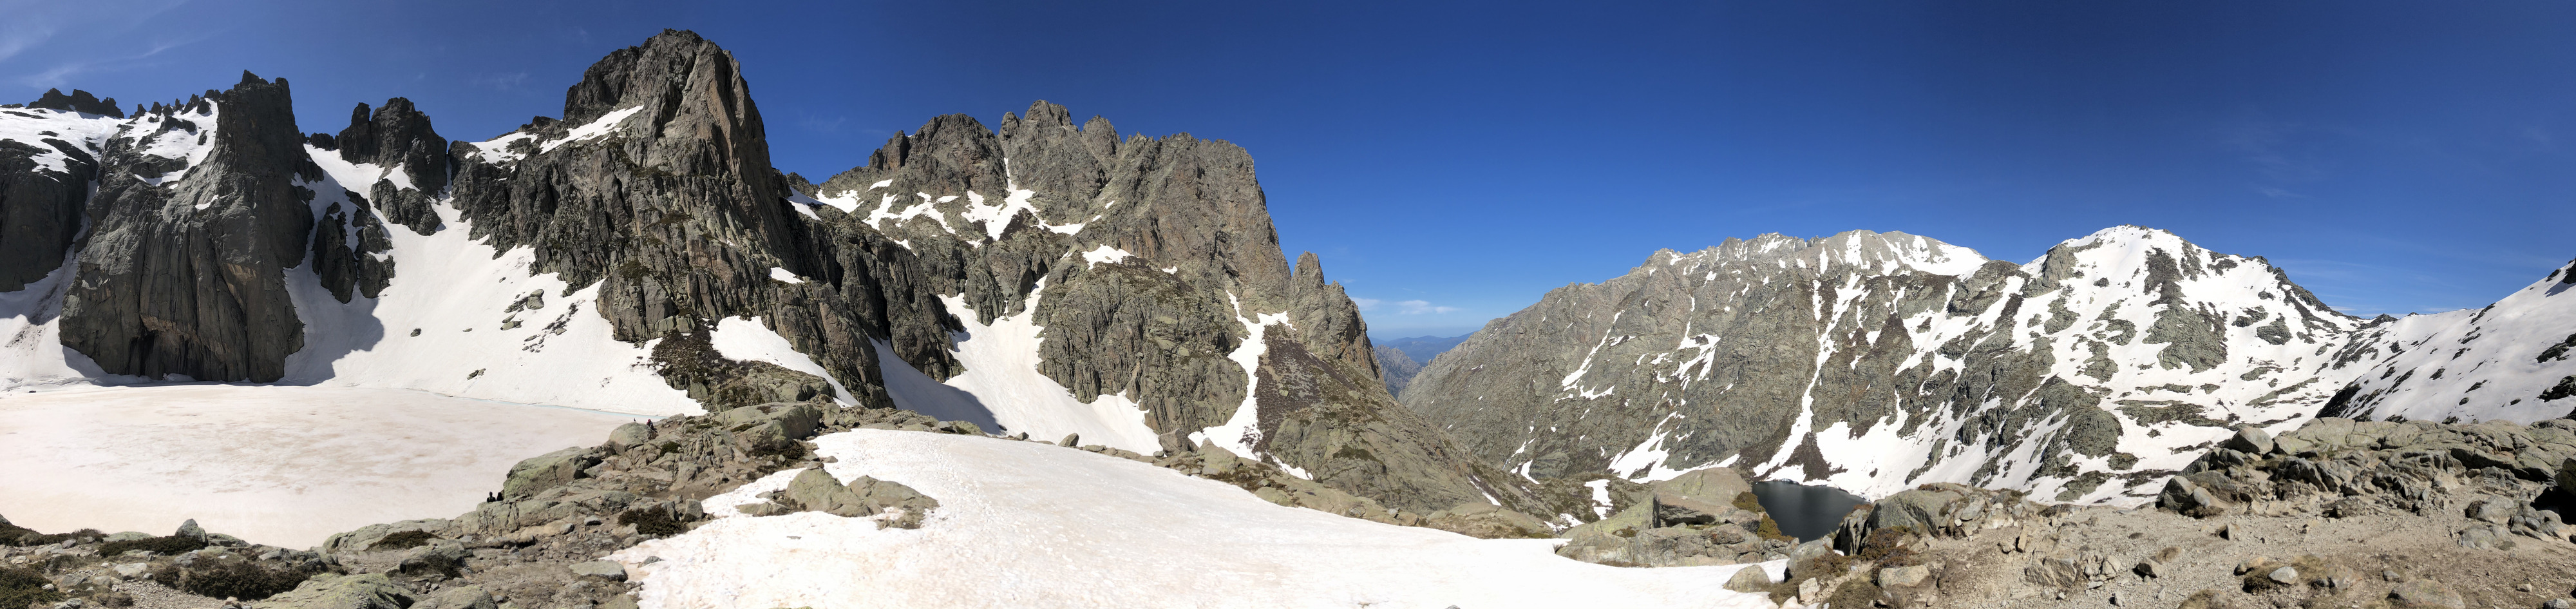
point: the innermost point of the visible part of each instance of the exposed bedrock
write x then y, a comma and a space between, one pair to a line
40, 208
1879, 361
187, 277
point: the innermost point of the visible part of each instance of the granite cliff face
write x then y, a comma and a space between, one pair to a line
1147, 274
1876, 362
641, 254
183, 271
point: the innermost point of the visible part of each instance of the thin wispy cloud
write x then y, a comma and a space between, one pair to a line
1418, 307
33, 25
510, 81
60, 75
1402, 307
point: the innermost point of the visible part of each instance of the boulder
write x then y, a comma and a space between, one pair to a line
772, 425
438, 559
190, 530
2203, 494
544, 472
817, 491
603, 569
1216, 461
1751, 578
2567, 476
1487, 521
630, 434
2056, 571
1899, 577
2425, 594
1718, 485
467, 597
2249, 439
327, 591
1673, 509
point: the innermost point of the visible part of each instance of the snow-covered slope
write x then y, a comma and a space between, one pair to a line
1876, 362
2513, 360
459, 318
1023, 524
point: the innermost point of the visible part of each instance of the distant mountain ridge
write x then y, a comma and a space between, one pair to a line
1879, 361
1403, 357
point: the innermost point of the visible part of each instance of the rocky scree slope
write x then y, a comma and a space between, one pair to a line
2337, 513
1055, 278
1879, 361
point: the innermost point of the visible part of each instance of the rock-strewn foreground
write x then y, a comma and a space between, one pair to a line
2336, 514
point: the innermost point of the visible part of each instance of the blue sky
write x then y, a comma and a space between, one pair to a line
1453, 162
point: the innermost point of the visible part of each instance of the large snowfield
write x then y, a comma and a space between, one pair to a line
1027, 524
286, 466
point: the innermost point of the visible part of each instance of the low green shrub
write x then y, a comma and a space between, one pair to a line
403, 540
159, 545
23, 587
653, 522
234, 578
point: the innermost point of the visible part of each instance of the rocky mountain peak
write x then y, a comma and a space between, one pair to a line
184, 273
78, 101
397, 135
1783, 355
1859, 249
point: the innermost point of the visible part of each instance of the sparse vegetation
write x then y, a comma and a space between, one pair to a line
404, 540
652, 522
14, 535
158, 545
25, 587
233, 578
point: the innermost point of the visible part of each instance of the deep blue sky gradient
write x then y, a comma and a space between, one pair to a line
2394, 157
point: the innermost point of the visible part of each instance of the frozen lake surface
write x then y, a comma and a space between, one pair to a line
279, 465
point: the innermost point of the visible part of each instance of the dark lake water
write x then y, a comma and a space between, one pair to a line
1805, 512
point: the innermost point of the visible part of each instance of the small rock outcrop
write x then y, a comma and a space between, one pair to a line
2493, 471
1702, 517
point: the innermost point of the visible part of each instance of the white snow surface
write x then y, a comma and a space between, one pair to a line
286, 466
1104, 254
746, 339
598, 128
784, 275
456, 293
85, 131
1242, 431
31, 348
1024, 524
2489, 362
1002, 375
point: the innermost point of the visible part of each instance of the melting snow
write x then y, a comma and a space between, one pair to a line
744, 338
1001, 361
604, 125
1105, 254
1042, 526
